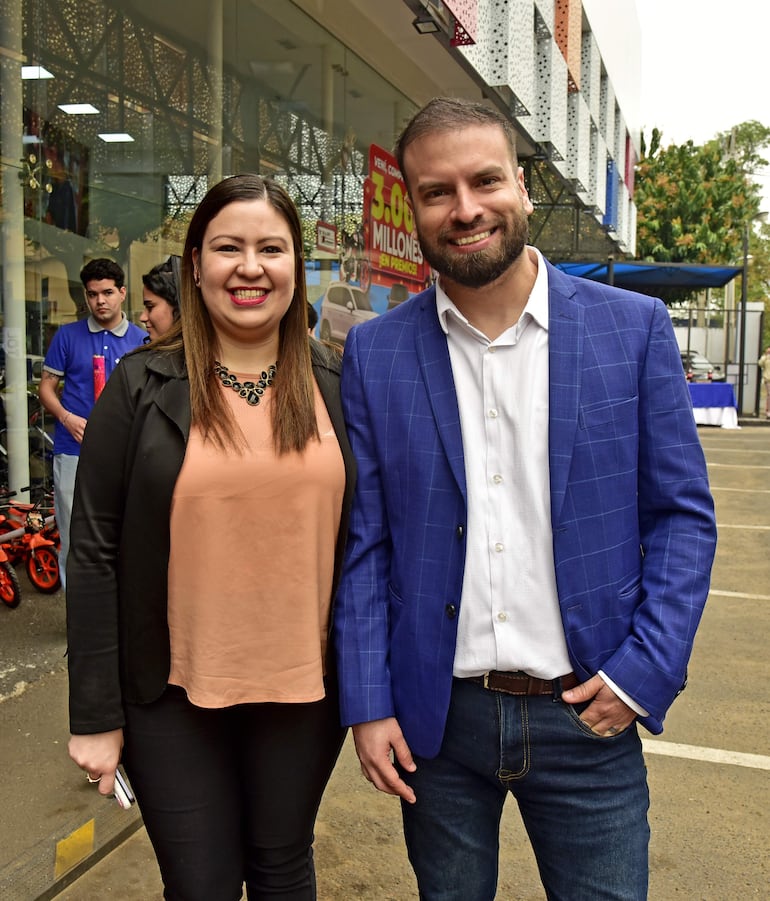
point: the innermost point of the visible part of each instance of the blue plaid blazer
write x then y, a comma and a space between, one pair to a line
633, 521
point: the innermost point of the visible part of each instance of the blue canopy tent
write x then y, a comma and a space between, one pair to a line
667, 281
651, 277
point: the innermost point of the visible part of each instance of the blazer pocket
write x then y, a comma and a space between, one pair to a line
630, 589
596, 415
395, 610
629, 596
606, 444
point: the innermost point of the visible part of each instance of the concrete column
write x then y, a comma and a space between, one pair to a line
215, 65
12, 246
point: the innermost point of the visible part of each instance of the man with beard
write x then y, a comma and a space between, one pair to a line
531, 540
82, 355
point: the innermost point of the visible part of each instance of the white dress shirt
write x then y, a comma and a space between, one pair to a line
509, 610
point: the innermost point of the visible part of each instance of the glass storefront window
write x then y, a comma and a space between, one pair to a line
116, 118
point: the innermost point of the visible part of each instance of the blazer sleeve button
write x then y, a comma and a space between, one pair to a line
451, 611
460, 531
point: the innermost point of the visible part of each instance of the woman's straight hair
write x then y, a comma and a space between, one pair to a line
293, 402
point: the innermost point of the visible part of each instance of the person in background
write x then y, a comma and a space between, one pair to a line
764, 367
62, 206
160, 299
204, 562
105, 335
312, 319
531, 538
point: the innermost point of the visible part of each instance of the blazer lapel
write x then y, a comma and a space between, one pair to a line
327, 375
173, 398
433, 357
565, 353
565, 343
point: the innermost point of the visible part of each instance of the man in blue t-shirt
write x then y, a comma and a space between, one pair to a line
106, 333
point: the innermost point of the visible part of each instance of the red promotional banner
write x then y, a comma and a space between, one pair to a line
389, 234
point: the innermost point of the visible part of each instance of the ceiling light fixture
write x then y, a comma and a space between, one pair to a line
30, 72
116, 137
78, 109
425, 24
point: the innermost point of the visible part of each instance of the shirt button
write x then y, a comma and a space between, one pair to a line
451, 611
502, 616
499, 547
497, 478
492, 349
492, 413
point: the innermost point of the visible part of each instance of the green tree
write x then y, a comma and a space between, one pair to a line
745, 142
693, 201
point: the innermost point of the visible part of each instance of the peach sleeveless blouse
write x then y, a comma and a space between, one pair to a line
251, 564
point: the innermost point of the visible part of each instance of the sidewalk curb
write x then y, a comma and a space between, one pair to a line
54, 863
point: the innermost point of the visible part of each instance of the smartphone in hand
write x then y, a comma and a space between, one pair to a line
123, 794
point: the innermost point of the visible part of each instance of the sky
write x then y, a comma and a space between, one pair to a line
705, 67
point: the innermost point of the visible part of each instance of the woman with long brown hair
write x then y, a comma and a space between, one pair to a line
210, 516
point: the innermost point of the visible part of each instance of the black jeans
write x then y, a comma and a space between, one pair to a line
231, 795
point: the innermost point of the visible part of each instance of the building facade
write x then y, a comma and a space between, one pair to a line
117, 117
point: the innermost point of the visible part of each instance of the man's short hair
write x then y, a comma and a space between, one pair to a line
450, 114
101, 268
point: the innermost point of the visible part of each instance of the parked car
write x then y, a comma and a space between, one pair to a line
342, 307
698, 369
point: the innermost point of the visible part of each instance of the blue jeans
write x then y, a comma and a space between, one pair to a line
65, 467
583, 800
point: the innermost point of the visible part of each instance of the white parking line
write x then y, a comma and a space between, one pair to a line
743, 490
734, 466
709, 755
735, 450
740, 594
724, 525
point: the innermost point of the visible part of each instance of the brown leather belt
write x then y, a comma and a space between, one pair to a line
522, 684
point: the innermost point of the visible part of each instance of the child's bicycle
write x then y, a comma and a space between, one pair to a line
29, 535
10, 589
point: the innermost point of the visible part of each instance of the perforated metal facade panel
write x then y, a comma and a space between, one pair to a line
579, 144
611, 210
618, 146
505, 51
546, 8
568, 15
591, 75
598, 175
550, 73
607, 112
465, 13
549, 120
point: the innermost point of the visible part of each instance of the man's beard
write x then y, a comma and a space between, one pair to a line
475, 270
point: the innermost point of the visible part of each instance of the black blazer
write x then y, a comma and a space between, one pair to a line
132, 452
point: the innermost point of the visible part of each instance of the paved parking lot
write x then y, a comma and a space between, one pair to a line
708, 772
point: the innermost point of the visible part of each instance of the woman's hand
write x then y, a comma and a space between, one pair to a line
98, 755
